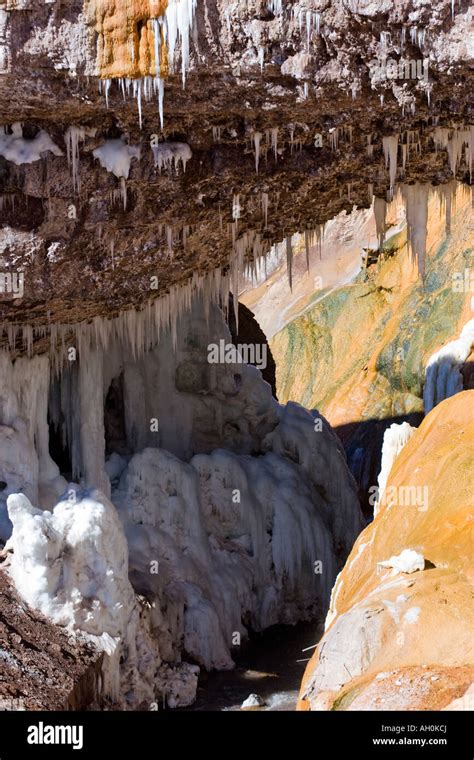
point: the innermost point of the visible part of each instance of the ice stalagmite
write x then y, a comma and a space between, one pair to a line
394, 439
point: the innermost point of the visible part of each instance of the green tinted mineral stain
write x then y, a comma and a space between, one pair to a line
428, 317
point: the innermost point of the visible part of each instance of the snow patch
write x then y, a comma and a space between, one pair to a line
15, 148
408, 561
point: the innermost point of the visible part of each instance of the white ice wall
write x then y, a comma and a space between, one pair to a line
443, 377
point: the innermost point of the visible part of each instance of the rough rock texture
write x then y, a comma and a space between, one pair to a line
88, 254
42, 667
389, 635
360, 353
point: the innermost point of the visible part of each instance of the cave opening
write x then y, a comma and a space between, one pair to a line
59, 449
114, 418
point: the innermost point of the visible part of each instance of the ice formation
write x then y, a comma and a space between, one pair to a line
14, 147
408, 561
238, 540
169, 154
75, 135
171, 29
72, 565
25, 463
394, 439
443, 377
116, 156
416, 204
390, 149
454, 140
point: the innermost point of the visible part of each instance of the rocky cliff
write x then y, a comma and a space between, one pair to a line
405, 593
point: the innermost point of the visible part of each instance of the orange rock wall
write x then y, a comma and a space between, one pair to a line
439, 456
126, 40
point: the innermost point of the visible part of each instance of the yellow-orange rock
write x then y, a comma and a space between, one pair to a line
126, 39
406, 640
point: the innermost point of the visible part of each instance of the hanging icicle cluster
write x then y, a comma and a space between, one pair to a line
141, 65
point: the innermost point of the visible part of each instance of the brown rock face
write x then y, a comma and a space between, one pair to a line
94, 255
389, 638
41, 667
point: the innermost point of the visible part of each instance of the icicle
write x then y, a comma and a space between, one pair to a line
261, 57
306, 246
257, 137
370, 147
404, 156
169, 240
265, 208
179, 16
416, 205
334, 137
289, 261
216, 134
274, 136
390, 149
123, 189
380, 212
72, 138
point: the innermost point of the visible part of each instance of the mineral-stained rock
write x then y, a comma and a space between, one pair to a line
388, 641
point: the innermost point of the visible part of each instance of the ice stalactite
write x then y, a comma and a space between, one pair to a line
289, 260
25, 463
274, 141
416, 205
168, 154
454, 141
390, 149
275, 6
443, 377
370, 147
75, 135
394, 439
91, 413
14, 147
116, 156
171, 29
256, 139
380, 214
264, 200
216, 134
447, 198
334, 137
179, 17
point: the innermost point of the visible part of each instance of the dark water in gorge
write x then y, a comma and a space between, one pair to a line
272, 666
